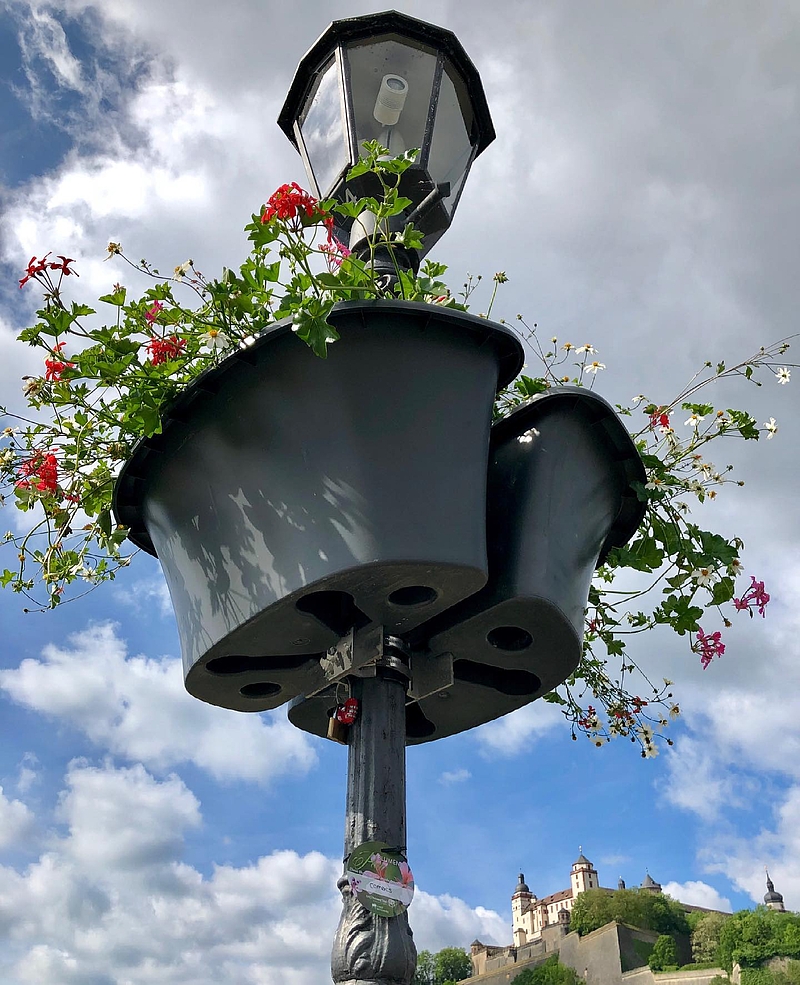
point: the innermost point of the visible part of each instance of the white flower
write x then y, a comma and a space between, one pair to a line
214, 339
650, 750
31, 385
638, 398
783, 375
586, 348
704, 576
593, 367
567, 346
182, 270
674, 712
694, 421
772, 427
654, 483
646, 733
735, 567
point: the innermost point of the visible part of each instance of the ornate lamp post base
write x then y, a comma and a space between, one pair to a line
370, 949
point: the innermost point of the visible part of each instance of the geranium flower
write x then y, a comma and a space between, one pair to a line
708, 646
41, 467
55, 367
35, 267
334, 252
755, 596
162, 350
152, 313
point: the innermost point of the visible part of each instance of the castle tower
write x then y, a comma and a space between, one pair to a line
650, 884
772, 899
522, 907
583, 876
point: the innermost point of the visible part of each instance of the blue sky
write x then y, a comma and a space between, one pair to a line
642, 196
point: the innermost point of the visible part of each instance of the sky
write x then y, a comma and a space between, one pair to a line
642, 196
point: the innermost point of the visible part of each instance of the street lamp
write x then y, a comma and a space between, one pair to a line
408, 85
354, 535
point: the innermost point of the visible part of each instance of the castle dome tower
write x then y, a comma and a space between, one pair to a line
772, 899
583, 876
522, 907
650, 884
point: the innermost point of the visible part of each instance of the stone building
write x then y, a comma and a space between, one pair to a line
541, 927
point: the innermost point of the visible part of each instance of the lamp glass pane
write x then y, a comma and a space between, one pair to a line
323, 129
451, 146
370, 62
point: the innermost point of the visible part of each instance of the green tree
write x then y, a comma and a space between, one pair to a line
552, 972
451, 964
749, 937
706, 935
650, 911
664, 954
425, 973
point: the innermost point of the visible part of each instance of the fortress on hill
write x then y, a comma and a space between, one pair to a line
613, 955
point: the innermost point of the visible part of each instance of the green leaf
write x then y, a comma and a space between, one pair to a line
716, 548
104, 521
723, 591
680, 614
117, 298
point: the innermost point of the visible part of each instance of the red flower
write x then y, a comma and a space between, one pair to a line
334, 251
35, 267
152, 313
55, 367
659, 419
163, 349
41, 467
64, 266
293, 202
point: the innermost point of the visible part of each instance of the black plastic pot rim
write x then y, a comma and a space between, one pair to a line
626, 457
485, 331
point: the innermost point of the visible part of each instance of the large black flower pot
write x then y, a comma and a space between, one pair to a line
559, 498
290, 498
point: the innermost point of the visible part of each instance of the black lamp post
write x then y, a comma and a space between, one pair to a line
361, 530
404, 83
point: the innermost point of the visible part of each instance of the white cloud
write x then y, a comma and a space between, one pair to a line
697, 781
16, 821
513, 734
143, 593
136, 707
28, 773
111, 901
446, 921
776, 845
454, 776
698, 894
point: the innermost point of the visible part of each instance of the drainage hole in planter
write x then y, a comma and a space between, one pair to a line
413, 595
511, 682
236, 664
264, 689
417, 725
336, 610
509, 638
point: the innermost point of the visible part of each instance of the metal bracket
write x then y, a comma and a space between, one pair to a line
352, 655
430, 673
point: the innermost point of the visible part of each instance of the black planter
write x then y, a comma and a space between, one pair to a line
290, 498
559, 498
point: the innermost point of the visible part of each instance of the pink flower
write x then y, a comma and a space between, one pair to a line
152, 313
754, 596
708, 646
406, 879
334, 252
380, 863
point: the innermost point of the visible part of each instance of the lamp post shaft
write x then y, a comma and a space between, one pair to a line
370, 949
